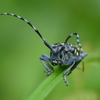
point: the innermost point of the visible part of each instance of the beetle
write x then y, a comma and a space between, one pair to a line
61, 54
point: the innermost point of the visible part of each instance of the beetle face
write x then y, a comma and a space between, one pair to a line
55, 58
56, 54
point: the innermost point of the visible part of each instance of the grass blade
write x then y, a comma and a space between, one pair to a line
42, 91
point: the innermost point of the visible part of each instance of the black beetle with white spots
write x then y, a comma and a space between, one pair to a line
61, 54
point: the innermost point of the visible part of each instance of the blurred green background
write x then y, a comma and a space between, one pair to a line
20, 47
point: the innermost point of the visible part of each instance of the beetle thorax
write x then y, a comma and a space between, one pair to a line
61, 53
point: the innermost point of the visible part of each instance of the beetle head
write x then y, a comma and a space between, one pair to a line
56, 54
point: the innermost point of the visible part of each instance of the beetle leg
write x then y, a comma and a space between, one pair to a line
48, 71
83, 66
47, 59
48, 67
76, 59
74, 62
64, 74
78, 67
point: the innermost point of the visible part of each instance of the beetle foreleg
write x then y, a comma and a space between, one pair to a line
48, 71
47, 66
50, 66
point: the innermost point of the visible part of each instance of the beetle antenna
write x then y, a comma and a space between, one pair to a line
77, 39
45, 42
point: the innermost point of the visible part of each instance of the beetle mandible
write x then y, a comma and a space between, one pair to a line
61, 54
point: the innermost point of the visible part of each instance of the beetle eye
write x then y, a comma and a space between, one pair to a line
61, 56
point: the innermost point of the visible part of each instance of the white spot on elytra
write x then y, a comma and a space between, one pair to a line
77, 53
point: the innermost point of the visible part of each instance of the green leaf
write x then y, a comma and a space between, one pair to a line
47, 85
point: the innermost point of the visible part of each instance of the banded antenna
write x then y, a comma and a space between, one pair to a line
77, 39
79, 44
45, 42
